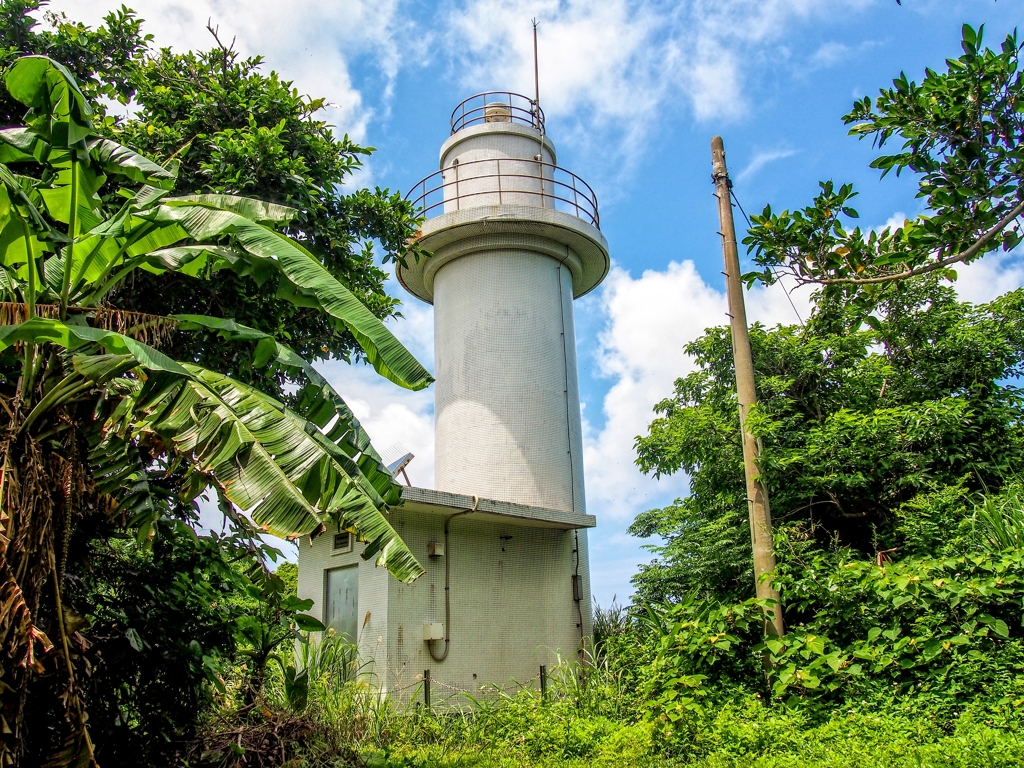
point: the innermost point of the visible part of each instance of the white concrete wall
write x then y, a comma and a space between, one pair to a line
506, 400
372, 615
496, 164
511, 604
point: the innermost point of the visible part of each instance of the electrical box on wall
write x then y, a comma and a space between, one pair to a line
433, 631
435, 549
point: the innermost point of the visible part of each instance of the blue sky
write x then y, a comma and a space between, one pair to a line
633, 92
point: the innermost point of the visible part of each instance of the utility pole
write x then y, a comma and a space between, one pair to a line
757, 495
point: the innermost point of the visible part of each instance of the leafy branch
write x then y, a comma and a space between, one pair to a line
962, 132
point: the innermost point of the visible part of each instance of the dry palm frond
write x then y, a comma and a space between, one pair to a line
18, 635
28, 506
13, 312
154, 330
41, 491
19, 641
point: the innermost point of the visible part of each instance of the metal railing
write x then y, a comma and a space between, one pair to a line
497, 107
522, 182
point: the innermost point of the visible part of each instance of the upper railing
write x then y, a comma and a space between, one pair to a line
497, 107
505, 181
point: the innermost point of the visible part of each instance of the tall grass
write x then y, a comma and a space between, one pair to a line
1000, 519
345, 702
610, 624
594, 714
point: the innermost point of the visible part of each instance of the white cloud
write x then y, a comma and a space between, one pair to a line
648, 321
643, 360
989, 277
311, 44
389, 414
761, 159
894, 222
623, 59
831, 53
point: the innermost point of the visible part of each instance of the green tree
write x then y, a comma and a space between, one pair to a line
104, 61
963, 135
289, 575
238, 131
229, 128
857, 421
159, 625
94, 409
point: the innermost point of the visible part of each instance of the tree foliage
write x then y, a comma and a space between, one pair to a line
229, 128
859, 416
103, 60
238, 131
942, 632
95, 410
962, 132
158, 629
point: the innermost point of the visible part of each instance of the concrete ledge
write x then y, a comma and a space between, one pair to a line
518, 226
426, 501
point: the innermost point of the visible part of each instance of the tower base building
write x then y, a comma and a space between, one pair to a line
513, 240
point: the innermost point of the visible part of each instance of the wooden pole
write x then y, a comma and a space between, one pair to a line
757, 495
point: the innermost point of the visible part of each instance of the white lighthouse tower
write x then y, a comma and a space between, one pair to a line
514, 239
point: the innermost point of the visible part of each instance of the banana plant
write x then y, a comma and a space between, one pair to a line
93, 410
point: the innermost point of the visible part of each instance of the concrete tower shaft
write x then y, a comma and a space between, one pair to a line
514, 239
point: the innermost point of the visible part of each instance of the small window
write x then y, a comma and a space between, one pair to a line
343, 542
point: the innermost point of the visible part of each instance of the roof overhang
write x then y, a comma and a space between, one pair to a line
424, 501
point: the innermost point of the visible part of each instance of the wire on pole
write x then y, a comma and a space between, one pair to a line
785, 290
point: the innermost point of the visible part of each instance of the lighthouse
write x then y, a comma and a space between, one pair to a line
513, 239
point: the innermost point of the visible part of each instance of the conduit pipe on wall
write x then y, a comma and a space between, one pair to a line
447, 586
578, 598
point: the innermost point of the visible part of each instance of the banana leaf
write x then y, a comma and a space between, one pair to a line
305, 282
317, 401
59, 111
117, 159
267, 460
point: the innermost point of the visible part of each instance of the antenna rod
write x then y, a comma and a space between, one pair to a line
536, 69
